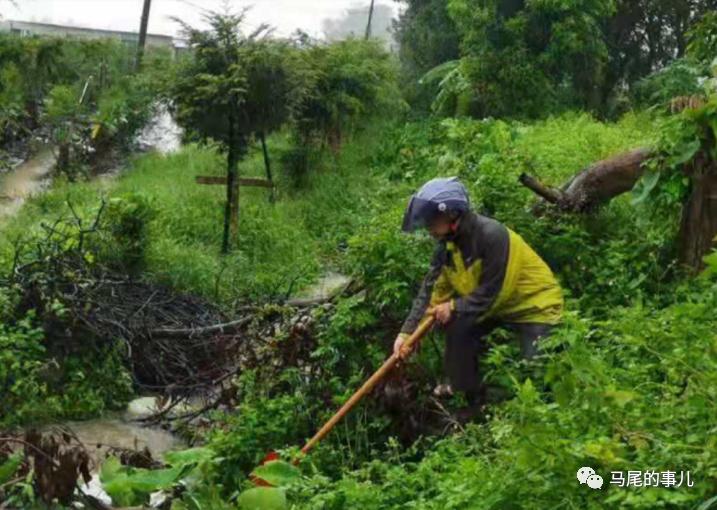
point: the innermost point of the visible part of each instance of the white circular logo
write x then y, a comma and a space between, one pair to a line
587, 475
584, 473
441, 207
594, 481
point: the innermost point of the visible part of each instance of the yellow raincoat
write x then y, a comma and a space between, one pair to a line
529, 293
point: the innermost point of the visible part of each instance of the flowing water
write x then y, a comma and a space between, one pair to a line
27, 179
162, 133
33, 176
122, 430
100, 434
328, 286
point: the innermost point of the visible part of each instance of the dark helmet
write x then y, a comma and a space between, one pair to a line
440, 195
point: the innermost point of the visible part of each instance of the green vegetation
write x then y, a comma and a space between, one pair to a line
525, 59
239, 88
81, 93
627, 382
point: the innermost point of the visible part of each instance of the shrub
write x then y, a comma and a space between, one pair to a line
127, 228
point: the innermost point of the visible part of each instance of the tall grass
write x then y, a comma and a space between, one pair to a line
282, 245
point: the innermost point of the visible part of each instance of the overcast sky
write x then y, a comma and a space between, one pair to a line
285, 15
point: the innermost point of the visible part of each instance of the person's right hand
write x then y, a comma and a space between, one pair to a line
399, 349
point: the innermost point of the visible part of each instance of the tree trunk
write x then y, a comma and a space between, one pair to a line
231, 210
63, 160
267, 163
334, 139
596, 184
698, 225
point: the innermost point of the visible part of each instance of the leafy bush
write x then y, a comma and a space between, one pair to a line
127, 221
629, 392
702, 37
122, 111
262, 422
37, 386
682, 137
350, 80
23, 360
680, 78
529, 60
66, 117
12, 102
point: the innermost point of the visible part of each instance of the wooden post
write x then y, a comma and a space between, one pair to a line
142, 33
370, 18
241, 181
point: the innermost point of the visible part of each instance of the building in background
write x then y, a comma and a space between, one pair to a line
30, 28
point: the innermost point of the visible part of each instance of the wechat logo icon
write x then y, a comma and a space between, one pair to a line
587, 475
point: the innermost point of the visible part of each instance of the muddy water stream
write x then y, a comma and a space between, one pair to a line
118, 433
27, 179
33, 176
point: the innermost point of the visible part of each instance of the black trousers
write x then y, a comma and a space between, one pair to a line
465, 344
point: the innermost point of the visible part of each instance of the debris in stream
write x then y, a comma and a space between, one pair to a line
135, 458
57, 460
63, 466
177, 345
20, 146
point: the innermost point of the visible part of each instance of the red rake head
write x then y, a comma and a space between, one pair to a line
260, 482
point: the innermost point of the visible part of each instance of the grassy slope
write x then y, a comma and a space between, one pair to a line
634, 389
631, 373
289, 241
306, 227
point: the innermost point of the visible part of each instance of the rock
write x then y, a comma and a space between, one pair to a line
95, 490
329, 286
142, 408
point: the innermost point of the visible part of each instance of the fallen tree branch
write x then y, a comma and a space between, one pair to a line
552, 195
596, 184
227, 327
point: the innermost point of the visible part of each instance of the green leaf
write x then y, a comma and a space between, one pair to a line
646, 185
278, 473
9, 467
262, 498
110, 469
120, 491
439, 72
129, 486
711, 265
527, 392
151, 480
686, 152
190, 456
621, 397
708, 504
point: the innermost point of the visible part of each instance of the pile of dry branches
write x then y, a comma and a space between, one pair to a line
171, 339
176, 344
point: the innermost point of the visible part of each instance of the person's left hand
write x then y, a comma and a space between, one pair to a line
443, 312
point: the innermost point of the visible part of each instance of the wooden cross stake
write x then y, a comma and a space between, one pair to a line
211, 180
